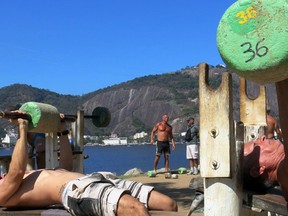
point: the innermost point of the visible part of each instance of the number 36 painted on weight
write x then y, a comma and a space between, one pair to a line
244, 16
260, 51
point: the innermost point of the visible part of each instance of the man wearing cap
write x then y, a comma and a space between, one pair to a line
192, 148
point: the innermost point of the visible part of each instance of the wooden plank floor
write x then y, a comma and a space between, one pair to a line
59, 212
268, 202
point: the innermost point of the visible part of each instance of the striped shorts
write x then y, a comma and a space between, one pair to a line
99, 194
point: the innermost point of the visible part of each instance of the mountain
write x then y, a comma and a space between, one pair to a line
138, 104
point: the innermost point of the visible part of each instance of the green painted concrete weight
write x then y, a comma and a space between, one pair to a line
252, 39
45, 118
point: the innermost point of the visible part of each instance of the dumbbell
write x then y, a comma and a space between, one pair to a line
252, 39
44, 118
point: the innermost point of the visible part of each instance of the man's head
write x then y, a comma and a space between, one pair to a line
261, 159
268, 111
165, 117
190, 121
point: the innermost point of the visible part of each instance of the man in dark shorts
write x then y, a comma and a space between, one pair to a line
164, 135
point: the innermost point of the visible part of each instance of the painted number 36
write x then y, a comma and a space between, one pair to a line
250, 13
259, 51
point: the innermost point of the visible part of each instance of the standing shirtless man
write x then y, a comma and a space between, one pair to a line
164, 134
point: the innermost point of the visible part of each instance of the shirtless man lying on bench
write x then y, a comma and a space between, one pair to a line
98, 193
266, 160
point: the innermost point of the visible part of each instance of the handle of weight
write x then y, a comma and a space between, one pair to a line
100, 116
70, 118
13, 115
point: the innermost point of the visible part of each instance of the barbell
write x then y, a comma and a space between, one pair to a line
45, 117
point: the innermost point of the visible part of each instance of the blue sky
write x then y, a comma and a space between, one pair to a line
76, 47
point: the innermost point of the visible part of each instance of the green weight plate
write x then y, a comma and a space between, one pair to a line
252, 39
101, 117
151, 173
33, 110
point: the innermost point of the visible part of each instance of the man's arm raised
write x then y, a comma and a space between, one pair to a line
17, 168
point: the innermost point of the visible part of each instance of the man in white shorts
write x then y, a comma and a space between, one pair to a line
192, 146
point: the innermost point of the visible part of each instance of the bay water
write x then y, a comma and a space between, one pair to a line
120, 159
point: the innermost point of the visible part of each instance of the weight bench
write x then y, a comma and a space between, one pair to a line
59, 211
51, 210
272, 200
222, 149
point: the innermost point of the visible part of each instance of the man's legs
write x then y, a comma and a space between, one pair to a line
159, 201
192, 153
195, 155
166, 156
195, 166
150, 198
128, 205
189, 156
191, 163
157, 158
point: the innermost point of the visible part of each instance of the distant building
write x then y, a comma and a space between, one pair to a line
92, 138
9, 138
139, 135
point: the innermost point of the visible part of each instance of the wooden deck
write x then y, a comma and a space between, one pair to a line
272, 201
59, 212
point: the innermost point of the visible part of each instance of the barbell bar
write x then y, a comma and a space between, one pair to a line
44, 117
